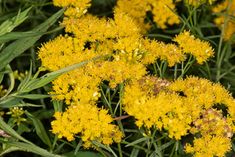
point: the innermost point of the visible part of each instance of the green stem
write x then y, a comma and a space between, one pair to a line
120, 150
219, 56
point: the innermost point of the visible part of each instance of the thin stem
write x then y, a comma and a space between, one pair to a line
120, 150
218, 59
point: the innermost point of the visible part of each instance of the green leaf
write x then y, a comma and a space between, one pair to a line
8, 150
38, 83
32, 96
100, 145
40, 130
19, 46
19, 35
9, 102
30, 148
47, 78
137, 141
166, 145
83, 154
11, 131
134, 152
10, 24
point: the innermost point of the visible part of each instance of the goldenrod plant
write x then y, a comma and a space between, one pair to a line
117, 78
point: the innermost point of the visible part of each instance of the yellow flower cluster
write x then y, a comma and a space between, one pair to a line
91, 123
19, 75
182, 107
189, 44
74, 7
17, 115
198, 2
226, 12
126, 55
216, 133
151, 104
162, 10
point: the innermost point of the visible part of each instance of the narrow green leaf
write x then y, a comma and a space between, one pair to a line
137, 141
44, 80
19, 35
19, 46
26, 79
38, 83
9, 102
83, 154
104, 147
11, 131
166, 145
134, 152
8, 150
10, 24
31, 148
32, 96
12, 81
40, 130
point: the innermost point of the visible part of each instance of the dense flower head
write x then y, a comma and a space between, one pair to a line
212, 122
17, 115
226, 12
209, 146
76, 86
161, 10
116, 72
192, 45
64, 51
182, 107
147, 101
166, 52
87, 121
202, 93
198, 2
74, 7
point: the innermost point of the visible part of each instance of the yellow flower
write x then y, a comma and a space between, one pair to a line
209, 146
226, 7
116, 72
76, 86
189, 44
88, 121
17, 115
151, 105
74, 7
163, 13
19, 76
198, 2
161, 9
